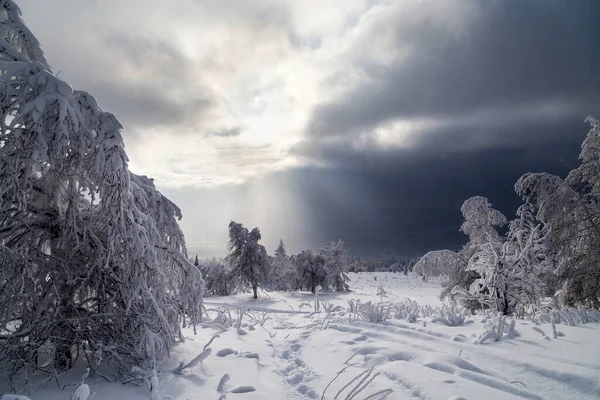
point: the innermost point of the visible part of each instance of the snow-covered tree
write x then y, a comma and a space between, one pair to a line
283, 275
481, 221
280, 252
92, 255
554, 205
439, 263
531, 266
484, 252
585, 179
310, 270
494, 267
569, 213
511, 272
583, 277
335, 266
247, 258
218, 280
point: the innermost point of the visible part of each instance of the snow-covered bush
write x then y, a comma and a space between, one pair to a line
567, 315
370, 312
92, 255
222, 319
451, 316
82, 390
438, 263
496, 328
407, 310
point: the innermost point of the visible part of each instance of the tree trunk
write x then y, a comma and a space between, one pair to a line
255, 290
63, 332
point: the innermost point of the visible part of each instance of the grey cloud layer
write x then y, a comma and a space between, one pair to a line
506, 55
488, 91
501, 90
136, 68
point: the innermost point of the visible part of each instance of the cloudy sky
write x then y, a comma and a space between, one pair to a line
370, 121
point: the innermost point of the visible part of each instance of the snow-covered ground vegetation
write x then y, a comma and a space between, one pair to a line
406, 344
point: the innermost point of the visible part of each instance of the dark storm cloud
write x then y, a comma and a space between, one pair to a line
506, 95
514, 53
406, 202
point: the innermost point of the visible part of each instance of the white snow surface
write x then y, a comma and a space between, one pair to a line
297, 353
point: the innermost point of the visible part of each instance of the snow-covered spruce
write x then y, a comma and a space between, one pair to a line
282, 272
92, 255
247, 258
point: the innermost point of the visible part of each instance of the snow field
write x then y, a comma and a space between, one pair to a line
282, 349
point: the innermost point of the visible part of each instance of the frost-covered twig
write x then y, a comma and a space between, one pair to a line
195, 361
365, 372
362, 387
336, 376
210, 341
541, 332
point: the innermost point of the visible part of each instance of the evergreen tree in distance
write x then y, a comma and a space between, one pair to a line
280, 252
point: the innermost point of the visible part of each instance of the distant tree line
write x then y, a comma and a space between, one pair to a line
248, 267
391, 264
